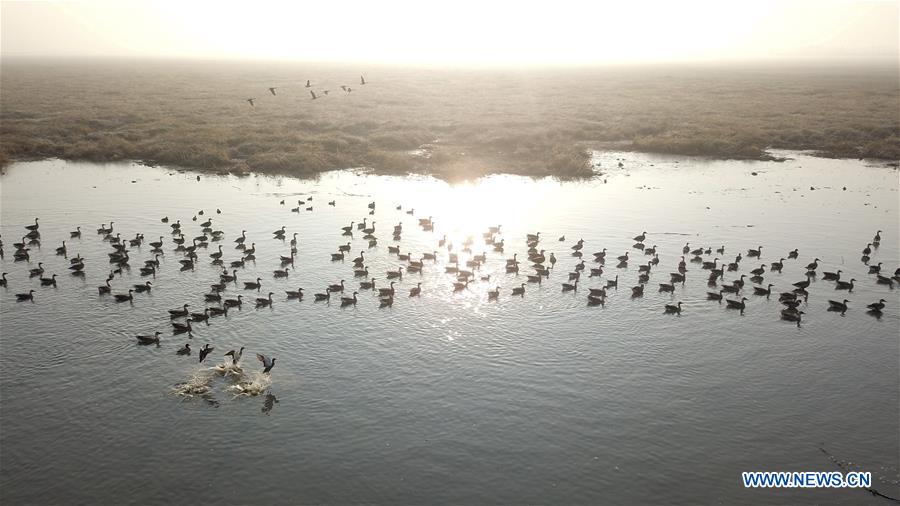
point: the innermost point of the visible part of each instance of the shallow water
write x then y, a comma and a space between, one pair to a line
448, 398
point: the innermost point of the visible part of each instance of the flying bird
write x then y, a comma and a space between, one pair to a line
272, 91
362, 80
235, 355
206, 350
251, 101
267, 362
307, 83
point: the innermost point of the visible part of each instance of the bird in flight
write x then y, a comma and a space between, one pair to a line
311, 92
362, 80
267, 362
251, 101
307, 83
272, 90
206, 350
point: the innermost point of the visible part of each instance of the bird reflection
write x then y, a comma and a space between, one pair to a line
269, 403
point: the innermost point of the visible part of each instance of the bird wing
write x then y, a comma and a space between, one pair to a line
261, 358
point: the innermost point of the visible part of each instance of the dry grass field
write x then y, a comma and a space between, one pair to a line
468, 123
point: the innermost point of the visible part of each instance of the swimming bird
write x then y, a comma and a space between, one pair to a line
875, 269
76, 233
520, 290
737, 304
415, 291
235, 355
349, 301
613, 283
200, 317
21, 297
253, 285
637, 291
834, 276
867, 250
813, 265
206, 350
877, 306
185, 350
640, 238
777, 266
264, 302
298, 294
37, 271
792, 315
234, 302
845, 285
125, 297
673, 308
143, 288
178, 313
154, 339
755, 252
33, 227
180, 328
322, 296
336, 287
3, 280
763, 291
714, 296
51, 281
836, 305
268, 363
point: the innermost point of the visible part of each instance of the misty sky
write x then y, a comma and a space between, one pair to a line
458, 31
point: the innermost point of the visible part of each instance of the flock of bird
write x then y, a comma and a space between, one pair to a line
273, 90
459, 261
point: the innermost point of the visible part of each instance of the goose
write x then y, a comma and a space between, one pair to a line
251, 250
613, 283
242, 238
386, 302
805, 283
76, 268
845, 285
877, 306
714, 295
294, 240
253, 285
650, 251
460, 286
737, 304
637, 291
144, 287
415, 291
813, 265
250, 101
794, 254
740, 281
596, 272
349, 301
594, 300
345, 248
792, 315
154, 339
875, 269
836, 305
600, 256
268, 363
733, 288
623, 258
666, 287
337, 256
235, 355
185, 350
37, 271
281, 273
793, 304
102, 289
673, 308
200, 317
33, 227
520, 290
834, 276
264, 301
3, 280
867, 250
298, 294
216, 255
206, 350
121, 297
152, 263
884, 280
755, 252
337, 287
777, 266
877, 238
640, 238
322, 296
227, 278
697, 251
76, 233
367, 285
494, 294
578, 245
759, 271
212, 297
580, 266
180, 328
676, 277
234, 302
711, 265
178, 313
395, 274
763, 291
21, 297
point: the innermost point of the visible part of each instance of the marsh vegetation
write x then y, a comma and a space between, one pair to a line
450, 123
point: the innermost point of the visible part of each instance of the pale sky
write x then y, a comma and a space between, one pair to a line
457, 31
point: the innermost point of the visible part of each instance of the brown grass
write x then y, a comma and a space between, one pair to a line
536, 122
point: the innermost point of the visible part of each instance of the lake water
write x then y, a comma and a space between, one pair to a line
449, 398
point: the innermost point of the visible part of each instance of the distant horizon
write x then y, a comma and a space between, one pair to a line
462, 34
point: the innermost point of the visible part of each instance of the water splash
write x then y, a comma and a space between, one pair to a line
257, 383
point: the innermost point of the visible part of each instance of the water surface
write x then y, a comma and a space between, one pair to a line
448, 398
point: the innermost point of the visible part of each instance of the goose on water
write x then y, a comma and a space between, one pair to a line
154, 339
178, 313
349, 301
264, 302
875, 269
737, 304
253, 285
337, 287
755, 252
763, 291
836, 305
415, 291
834, 276
292, 294
51, 281
21, 297
845, 285
673, 308
180, 328
877, 306
144, 287
234, 302
813, 265
120, 297
715, 295
185, 350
